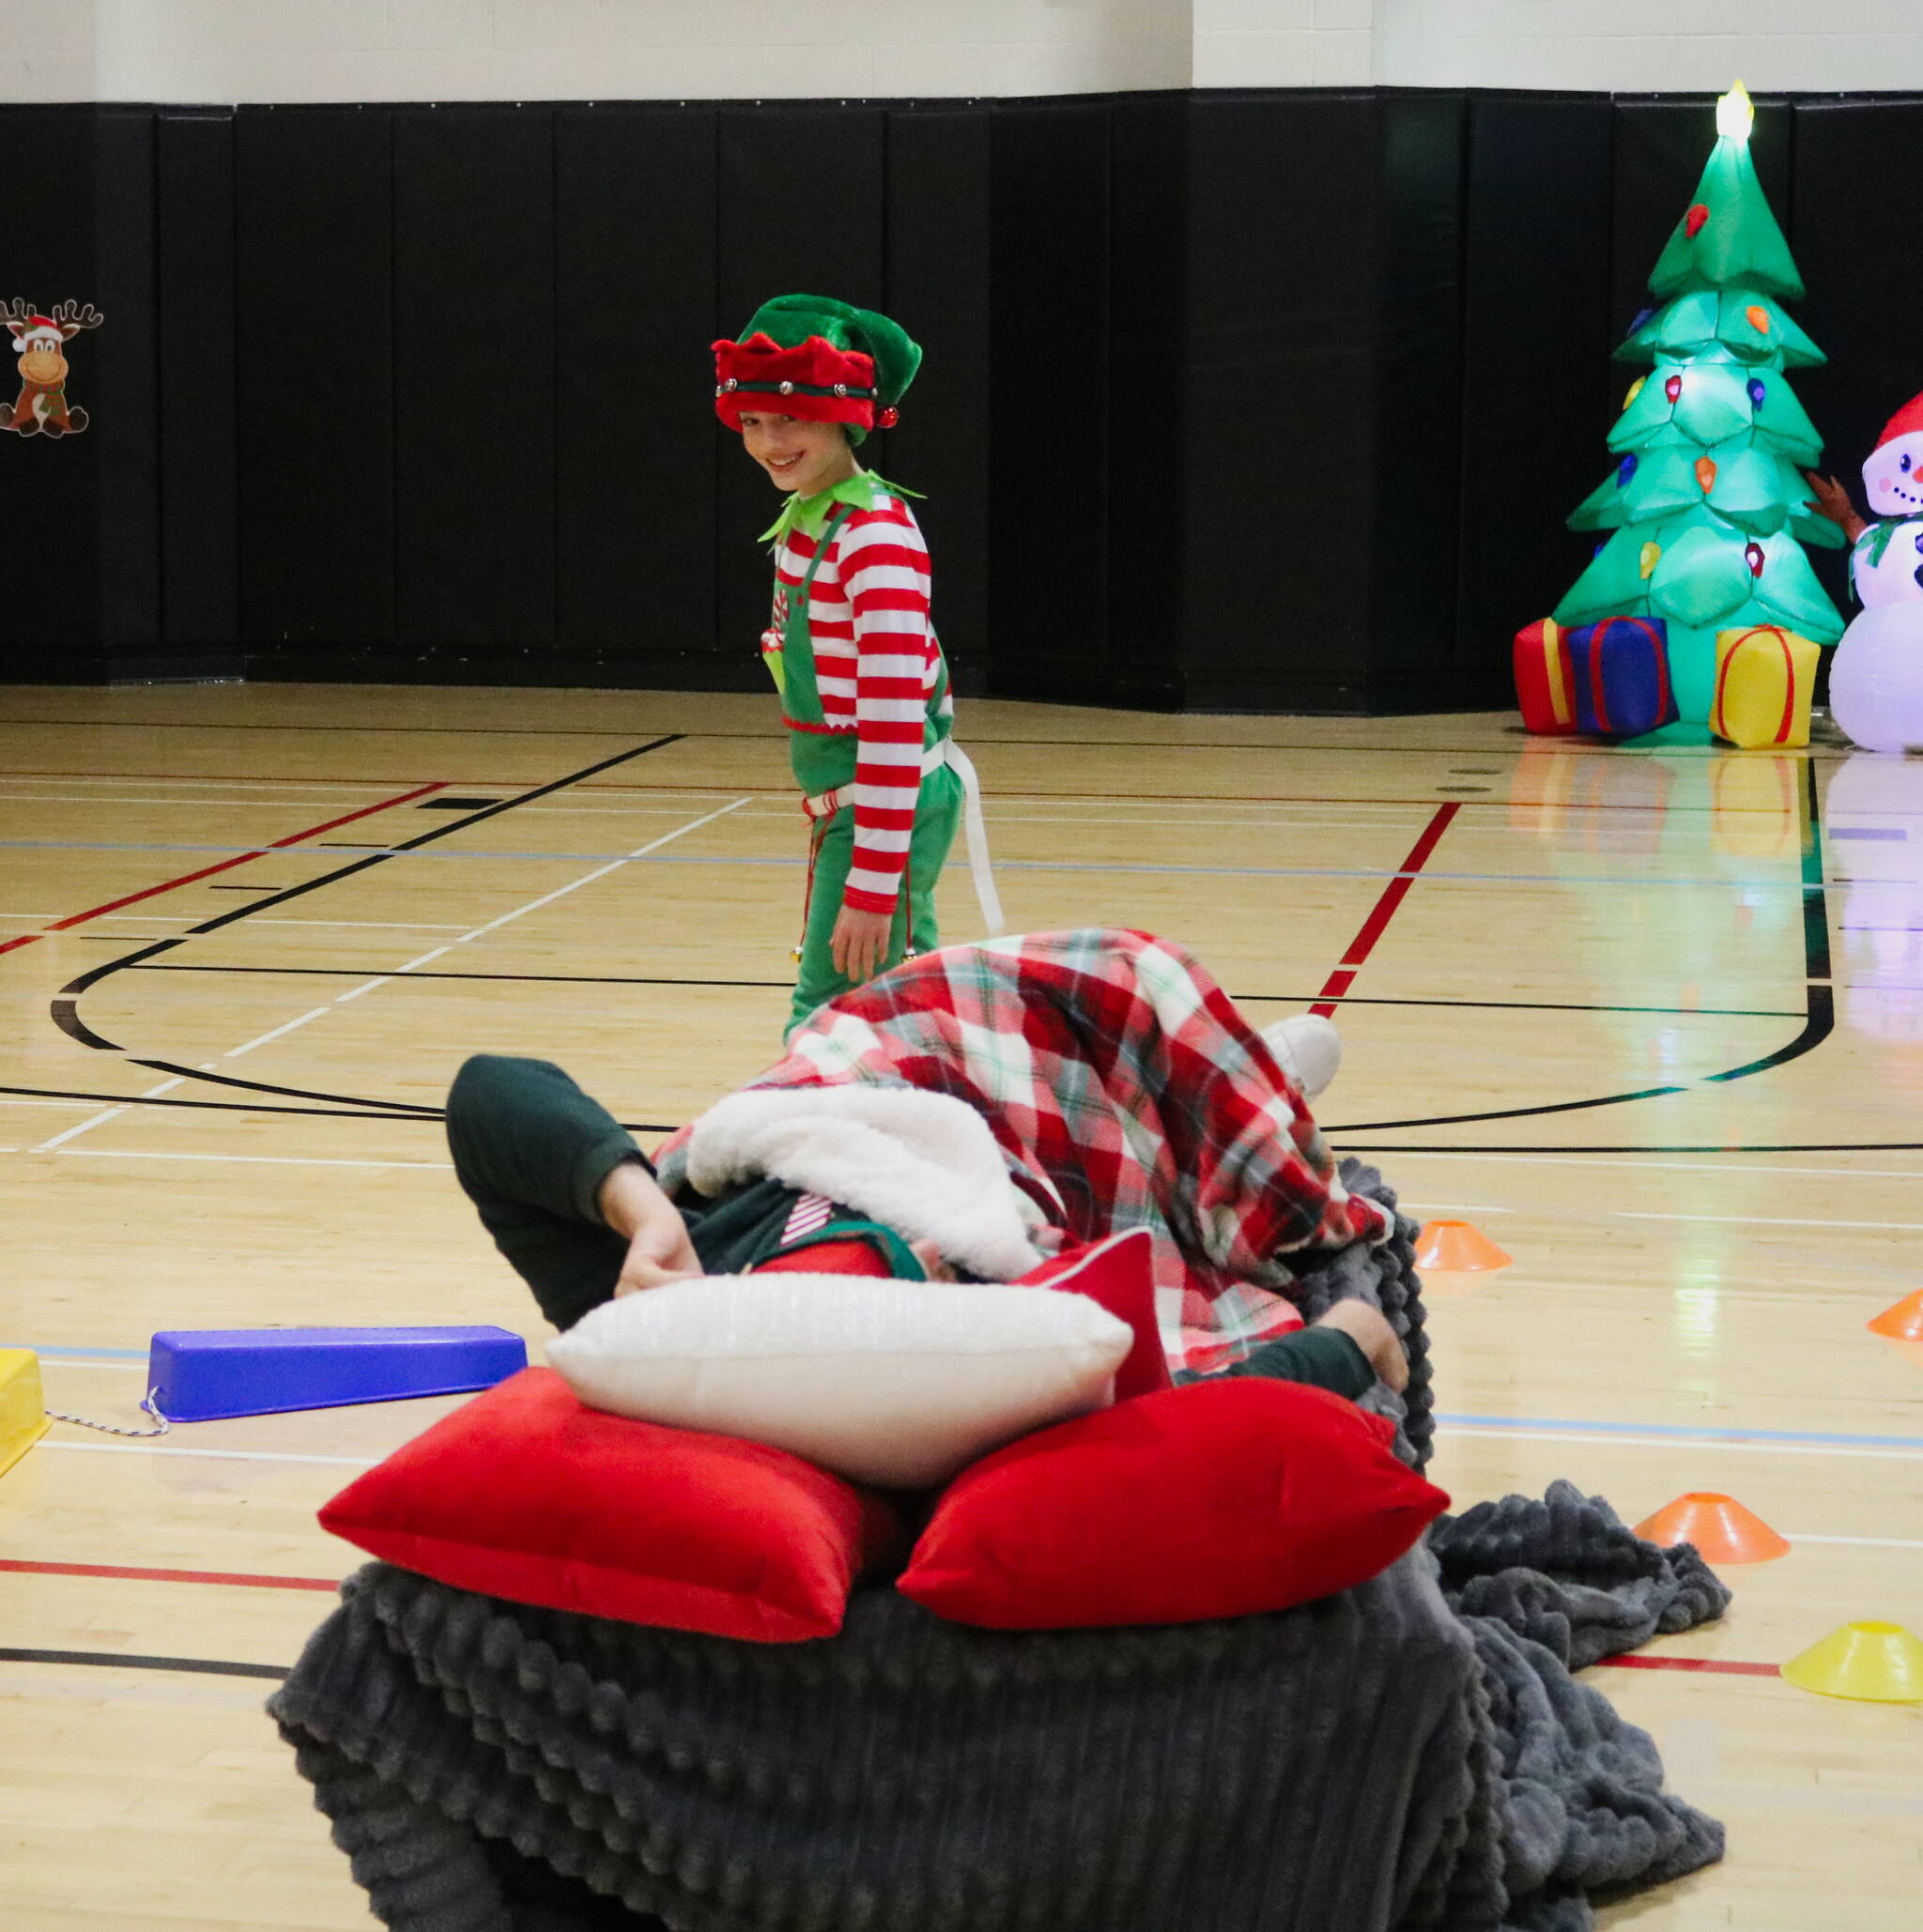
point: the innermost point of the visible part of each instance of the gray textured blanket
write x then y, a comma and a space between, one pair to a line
1411, 1754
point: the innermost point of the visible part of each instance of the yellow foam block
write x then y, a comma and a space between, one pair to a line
22, 1408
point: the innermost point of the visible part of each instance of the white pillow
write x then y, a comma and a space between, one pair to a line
895, 1382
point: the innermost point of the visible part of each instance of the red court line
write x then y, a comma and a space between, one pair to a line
200, 777
1376, 922
1726, 1666
224, 866
235, 1578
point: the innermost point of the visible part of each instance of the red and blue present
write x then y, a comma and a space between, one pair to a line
1620, 669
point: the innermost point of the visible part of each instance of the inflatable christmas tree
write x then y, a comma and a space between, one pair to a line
1708, 502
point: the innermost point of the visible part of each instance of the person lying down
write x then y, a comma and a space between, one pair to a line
967, 1116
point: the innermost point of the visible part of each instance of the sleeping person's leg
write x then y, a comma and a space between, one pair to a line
532, 1151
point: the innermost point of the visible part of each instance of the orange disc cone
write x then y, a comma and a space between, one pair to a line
1456, 1248
1719, 1526
1881, 1663
1903, 1322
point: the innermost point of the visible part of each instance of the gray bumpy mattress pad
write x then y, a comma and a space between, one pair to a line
1414, 1753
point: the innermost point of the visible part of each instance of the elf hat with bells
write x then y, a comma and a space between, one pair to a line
811, 357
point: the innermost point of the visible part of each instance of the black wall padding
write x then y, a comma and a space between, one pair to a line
477, 344
936, 278
1864, 271
50, 491
801, 210
1047, 417
1146, 403
313, 302
195, 334
637, 447
1539, 392
1285, 205
126, 401
1261, 399
1414, 533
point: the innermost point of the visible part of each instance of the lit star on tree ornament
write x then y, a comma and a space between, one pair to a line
1735, 114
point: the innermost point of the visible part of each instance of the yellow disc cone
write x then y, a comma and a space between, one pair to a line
1878, 1663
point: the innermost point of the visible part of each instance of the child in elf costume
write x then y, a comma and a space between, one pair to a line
863, 684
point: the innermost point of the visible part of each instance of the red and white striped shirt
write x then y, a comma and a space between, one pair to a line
876, 666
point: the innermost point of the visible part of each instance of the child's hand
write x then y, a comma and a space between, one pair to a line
658, 1250
860, 943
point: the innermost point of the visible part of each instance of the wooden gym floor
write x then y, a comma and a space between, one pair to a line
1652, 1020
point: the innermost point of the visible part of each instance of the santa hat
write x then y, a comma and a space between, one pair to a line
37, 331
823, 361
1906, 421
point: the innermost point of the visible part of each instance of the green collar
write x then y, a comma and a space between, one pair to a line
864, 490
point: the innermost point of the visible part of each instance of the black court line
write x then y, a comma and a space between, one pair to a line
66, 1005
206, 1666
1043, 744
380, 1113
1642, 1147
1819, 1021
1240, 999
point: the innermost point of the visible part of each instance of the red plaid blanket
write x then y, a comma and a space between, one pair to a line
1126, 1091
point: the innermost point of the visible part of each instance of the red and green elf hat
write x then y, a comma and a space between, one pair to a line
811, 357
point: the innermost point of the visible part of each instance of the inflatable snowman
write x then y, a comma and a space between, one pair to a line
1876, 680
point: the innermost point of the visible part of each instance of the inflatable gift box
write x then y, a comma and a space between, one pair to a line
1764, 675
1543, 680
1620, 671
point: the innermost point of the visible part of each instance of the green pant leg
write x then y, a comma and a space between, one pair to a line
531, 1150
938, 813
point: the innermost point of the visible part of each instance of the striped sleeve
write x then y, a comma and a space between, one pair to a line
885, 571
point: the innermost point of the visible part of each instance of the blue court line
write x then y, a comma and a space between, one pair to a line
1681, 1432
1556, 1424
1777, 884
106, 1355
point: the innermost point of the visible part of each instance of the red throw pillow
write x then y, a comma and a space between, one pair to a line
1217, 1499
526, 1493
1117, 1274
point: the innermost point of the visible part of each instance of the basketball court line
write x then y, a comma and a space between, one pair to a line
795, 861
1239, 999
116, 1659
66, 1003
247, 854
1383, 912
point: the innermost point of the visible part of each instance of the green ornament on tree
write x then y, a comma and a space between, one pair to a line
1711, 482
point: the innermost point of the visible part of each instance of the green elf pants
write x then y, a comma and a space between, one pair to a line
937, 817
532, 1150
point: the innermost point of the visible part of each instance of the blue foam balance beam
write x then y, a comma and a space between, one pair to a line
199, 1375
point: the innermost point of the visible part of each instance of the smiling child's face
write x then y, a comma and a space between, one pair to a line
805, 457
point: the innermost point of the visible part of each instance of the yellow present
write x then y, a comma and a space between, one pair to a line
1764, 675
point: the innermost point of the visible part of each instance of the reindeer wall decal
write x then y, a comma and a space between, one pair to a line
40, 343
